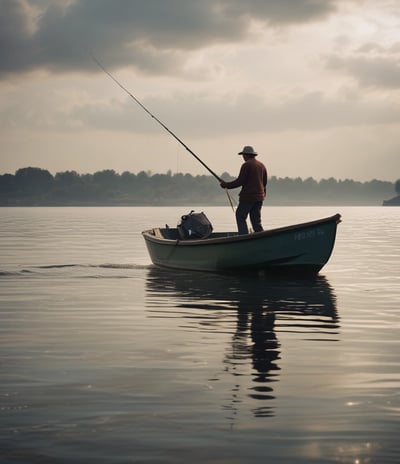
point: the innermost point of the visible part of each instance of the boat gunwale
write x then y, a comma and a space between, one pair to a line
149, 234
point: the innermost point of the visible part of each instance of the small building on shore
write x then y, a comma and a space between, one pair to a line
392, 202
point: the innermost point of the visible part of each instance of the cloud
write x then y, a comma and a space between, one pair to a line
371, 65
199, 114
152, 36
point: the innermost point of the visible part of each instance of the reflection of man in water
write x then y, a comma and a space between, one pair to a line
265, 345
263, 350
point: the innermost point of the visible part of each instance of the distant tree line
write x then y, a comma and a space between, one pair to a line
38, 187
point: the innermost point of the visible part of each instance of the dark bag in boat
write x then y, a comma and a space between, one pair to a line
194, 226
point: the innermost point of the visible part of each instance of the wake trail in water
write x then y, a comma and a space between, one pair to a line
38, 270
102, 266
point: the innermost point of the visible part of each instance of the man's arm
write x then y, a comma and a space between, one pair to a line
237, 182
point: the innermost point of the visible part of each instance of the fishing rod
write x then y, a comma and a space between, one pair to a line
156, 119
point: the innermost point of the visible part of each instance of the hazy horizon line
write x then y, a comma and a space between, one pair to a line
169, 172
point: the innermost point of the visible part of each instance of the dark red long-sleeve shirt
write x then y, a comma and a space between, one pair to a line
253, 180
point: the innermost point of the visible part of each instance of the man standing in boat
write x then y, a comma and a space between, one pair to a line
253, 180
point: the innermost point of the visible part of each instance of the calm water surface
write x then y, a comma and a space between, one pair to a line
106, 359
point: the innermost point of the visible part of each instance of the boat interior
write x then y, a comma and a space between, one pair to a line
170, 233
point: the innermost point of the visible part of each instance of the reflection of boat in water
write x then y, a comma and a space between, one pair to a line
262, 308
204, 290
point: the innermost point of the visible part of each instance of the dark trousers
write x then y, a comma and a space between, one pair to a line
243, 210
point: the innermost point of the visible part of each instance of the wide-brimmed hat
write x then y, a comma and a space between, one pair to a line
248, 151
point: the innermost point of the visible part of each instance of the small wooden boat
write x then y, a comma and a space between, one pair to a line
302, 249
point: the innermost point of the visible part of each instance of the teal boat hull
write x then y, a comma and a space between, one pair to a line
301, 248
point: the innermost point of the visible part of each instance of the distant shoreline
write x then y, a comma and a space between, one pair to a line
37, 187
186, 204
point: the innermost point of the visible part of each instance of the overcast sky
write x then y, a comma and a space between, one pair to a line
313, 85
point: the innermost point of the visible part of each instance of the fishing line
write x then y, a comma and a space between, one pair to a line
159, 122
